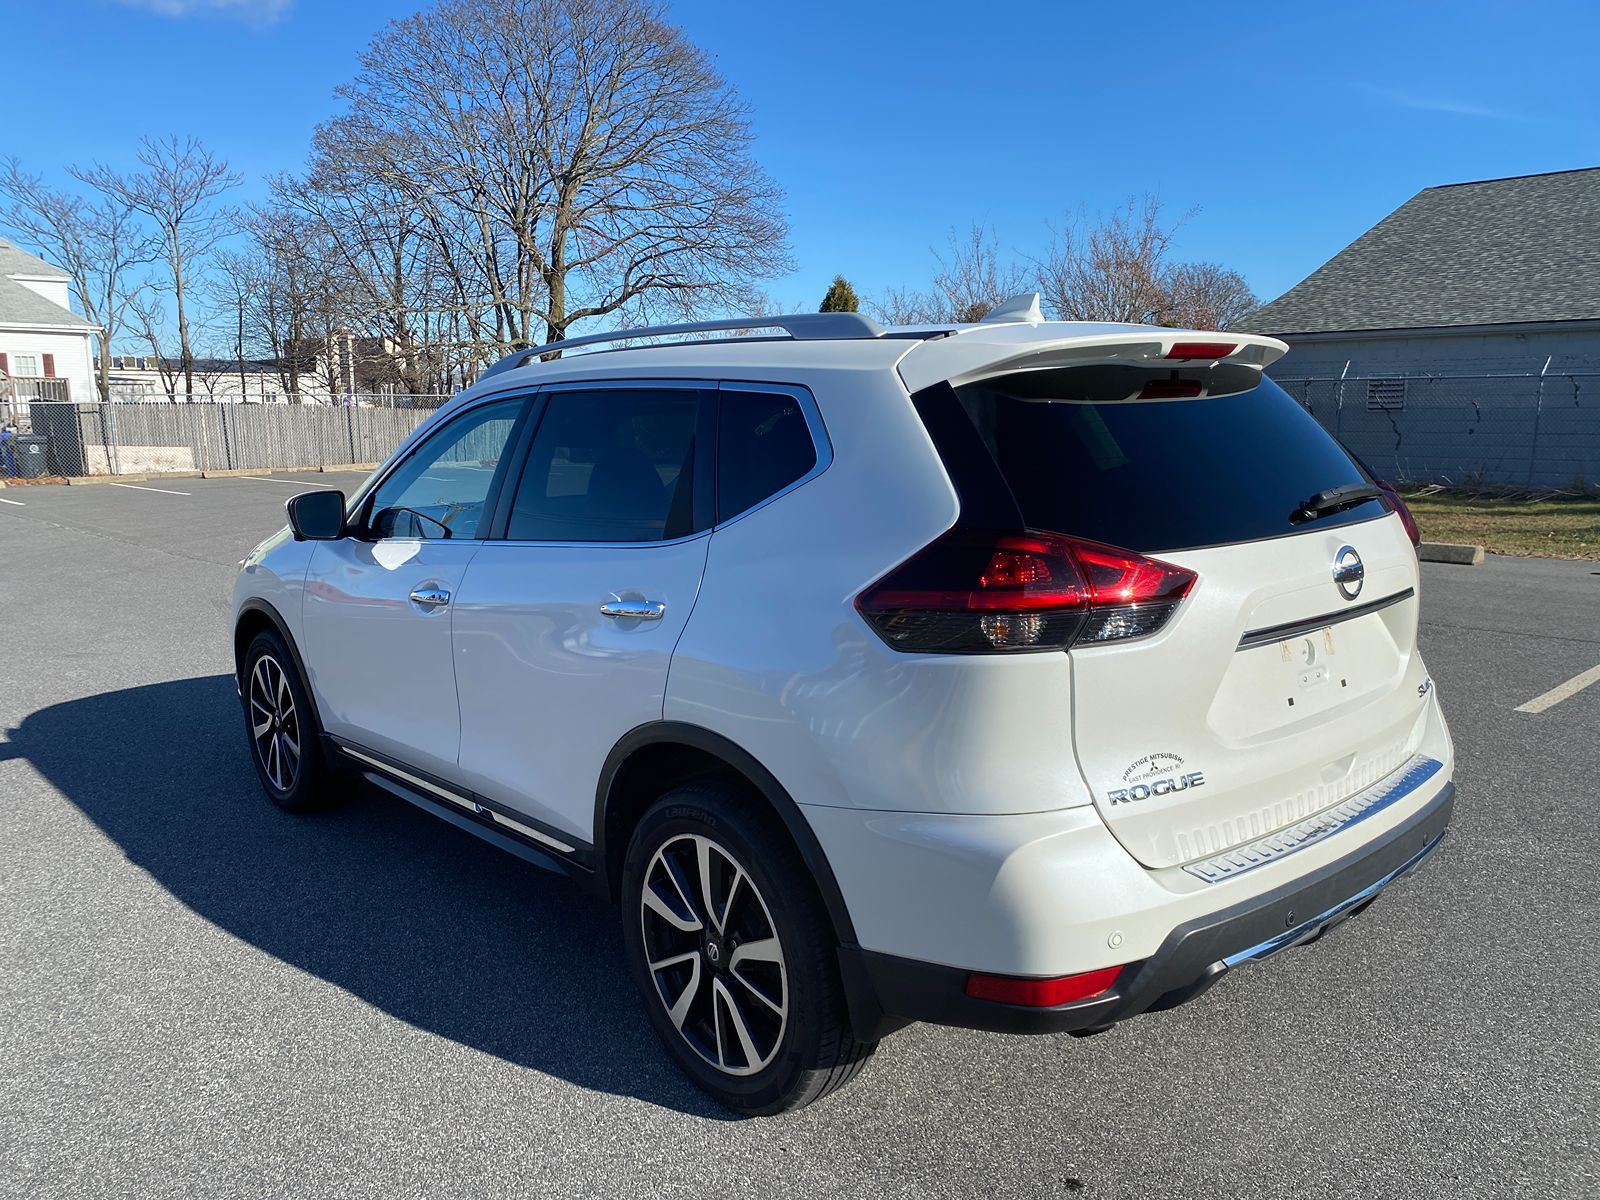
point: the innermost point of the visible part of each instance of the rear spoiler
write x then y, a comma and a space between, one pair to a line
980, 352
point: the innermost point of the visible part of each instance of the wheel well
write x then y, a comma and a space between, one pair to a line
251, 622
643, 778
656, 758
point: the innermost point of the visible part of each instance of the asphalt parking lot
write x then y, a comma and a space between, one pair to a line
201, 996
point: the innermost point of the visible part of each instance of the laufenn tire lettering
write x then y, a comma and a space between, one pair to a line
1156, 787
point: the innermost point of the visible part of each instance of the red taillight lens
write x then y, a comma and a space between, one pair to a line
1041, 993
1187, 350
982, 591
1399, 506
1171, 389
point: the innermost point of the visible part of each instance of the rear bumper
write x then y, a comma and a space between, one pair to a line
887, 992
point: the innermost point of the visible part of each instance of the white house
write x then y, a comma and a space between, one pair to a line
46, 349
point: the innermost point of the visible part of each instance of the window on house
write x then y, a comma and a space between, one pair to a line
1386, 393
25, 366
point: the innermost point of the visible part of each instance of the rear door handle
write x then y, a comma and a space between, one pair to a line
430, 597
639, 610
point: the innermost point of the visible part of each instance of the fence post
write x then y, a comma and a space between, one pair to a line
1338, 410
227, 447
350, 426
113, 459
1538, 414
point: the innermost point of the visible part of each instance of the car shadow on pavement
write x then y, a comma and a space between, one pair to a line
402, 910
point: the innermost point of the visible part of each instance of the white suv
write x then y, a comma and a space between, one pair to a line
1021, 676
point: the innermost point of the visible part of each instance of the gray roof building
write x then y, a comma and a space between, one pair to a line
1500, 251
14, 260
23, 306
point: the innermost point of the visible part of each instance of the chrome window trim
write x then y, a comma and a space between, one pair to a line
820, 442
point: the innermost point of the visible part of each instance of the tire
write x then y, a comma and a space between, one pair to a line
749, 1003
281, 728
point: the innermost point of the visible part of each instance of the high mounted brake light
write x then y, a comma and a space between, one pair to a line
982, 591
1206, 350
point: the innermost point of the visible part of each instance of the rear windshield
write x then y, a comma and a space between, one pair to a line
1146, 475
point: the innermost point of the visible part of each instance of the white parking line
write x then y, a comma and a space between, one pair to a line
1562, 691
281, 482
163, 491
18, 503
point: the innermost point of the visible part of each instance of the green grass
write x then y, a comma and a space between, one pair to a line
1544, 528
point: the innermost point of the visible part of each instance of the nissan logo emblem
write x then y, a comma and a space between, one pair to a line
1348, 572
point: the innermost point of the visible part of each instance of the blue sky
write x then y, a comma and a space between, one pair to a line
1290, 128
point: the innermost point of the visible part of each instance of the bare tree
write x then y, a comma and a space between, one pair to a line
234, 289
96, 241
147, 318
178, 191
1206, 295
562, 160
971, 280
1111, 270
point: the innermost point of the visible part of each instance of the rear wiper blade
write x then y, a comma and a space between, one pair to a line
1332, 500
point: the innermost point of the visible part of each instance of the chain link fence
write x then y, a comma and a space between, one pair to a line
148, 438
1527, 430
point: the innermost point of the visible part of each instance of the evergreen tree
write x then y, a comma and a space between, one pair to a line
841, 297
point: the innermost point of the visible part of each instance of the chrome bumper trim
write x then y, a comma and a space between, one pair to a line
1232, 863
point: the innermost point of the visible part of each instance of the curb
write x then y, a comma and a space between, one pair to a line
1451, 552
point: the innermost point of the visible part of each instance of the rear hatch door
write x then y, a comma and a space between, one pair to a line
1288, 680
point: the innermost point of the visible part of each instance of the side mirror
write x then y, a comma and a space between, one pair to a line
316, 516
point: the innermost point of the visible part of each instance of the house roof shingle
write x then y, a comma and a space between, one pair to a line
14, 260
22, 306
1493, 252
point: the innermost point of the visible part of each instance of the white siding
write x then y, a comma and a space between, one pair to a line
72, 349
53, 290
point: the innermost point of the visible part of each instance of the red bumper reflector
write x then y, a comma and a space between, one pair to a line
1202, 349
1041, 993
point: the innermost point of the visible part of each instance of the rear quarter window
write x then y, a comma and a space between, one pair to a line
1147, 475
763, 446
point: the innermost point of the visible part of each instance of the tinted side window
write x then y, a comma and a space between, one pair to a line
439, 492
611, 466
763, 445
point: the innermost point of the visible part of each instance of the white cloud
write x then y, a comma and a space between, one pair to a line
256, 12
1444, 104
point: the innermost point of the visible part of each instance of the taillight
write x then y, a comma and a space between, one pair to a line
1399, 506
978, 591
1041, 993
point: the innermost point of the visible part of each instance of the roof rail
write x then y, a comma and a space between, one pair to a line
802, 327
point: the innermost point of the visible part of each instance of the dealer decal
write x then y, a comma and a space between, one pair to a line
1158, 774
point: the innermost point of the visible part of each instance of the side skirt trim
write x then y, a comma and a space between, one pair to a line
476, 812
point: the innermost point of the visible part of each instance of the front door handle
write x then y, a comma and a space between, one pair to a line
639, 610
430, 597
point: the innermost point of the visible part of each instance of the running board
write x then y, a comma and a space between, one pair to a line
469, 811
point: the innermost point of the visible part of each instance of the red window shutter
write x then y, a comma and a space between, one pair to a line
49, 365
5, 367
